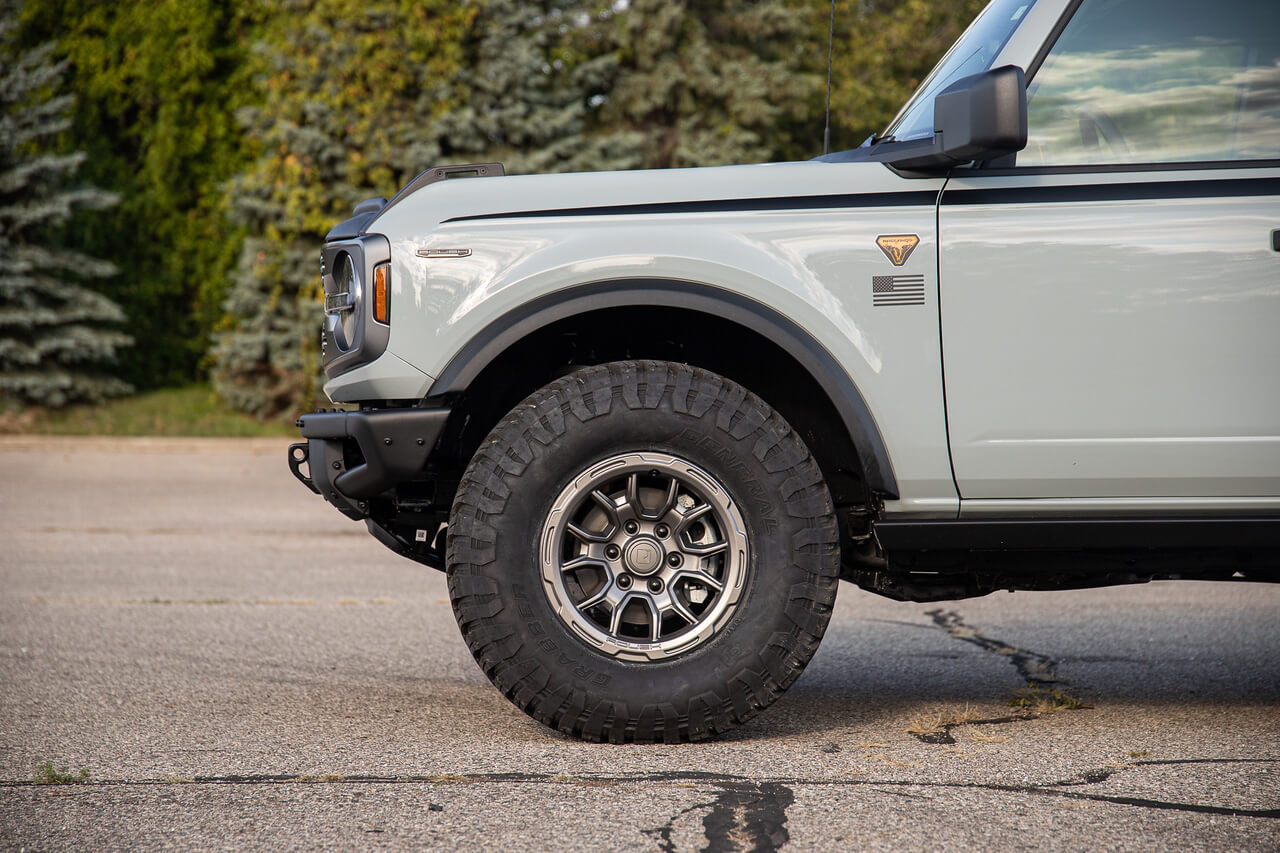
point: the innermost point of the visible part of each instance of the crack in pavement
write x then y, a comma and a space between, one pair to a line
745, 811
1033, 667
1036, 670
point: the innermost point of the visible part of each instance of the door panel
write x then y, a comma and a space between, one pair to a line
1102, 342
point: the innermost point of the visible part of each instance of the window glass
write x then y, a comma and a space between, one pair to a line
1159, 81
972, 53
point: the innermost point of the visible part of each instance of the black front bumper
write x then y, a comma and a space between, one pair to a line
351, 457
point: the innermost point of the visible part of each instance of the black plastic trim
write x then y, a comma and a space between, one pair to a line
1134, 191
440, 173
1115, 168
496, 338
299, 455
1077, 534
1052, 39
395, 444
730, 205
364, 213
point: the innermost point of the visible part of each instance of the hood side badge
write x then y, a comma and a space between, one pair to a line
444, 253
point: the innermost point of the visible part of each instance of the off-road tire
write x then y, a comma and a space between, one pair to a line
504, 498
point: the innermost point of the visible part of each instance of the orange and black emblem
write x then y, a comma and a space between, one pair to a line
897, 247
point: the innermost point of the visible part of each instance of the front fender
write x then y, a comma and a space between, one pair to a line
516, 324
811, 268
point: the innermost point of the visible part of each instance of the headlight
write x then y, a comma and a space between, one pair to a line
356, 276
345, 299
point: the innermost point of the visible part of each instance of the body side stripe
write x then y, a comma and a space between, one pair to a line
1237, 187
912, 198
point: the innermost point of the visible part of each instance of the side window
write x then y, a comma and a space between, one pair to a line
1159, 81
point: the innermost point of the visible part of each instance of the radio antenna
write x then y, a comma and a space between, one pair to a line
831, 43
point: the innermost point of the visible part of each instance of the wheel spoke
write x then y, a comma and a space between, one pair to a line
615, 618
592, 600
587, 535
670, 503
637, 505
655, 618
633, 495
611, 509
704, 550
680, 610
701, 577
583, 561
691, 516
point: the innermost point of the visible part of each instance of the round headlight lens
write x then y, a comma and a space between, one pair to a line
348, 283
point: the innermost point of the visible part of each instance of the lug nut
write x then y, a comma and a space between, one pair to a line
655, 585
624, 581
674, 560
631, 527
612, 551
662, 531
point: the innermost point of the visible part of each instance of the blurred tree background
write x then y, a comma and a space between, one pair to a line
234, 133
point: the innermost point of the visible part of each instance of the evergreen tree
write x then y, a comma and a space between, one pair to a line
711, 82
158, 84
353, 101
529, 82
348, 96
883, 50
55, 333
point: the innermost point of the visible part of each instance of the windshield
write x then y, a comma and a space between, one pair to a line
971, 54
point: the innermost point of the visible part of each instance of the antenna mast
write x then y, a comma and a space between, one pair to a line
831, 42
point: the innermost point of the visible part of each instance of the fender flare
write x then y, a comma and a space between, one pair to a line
516, 324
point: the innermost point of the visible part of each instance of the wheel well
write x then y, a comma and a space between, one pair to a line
672, 334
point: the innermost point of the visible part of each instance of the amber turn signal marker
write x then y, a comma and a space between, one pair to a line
382, 293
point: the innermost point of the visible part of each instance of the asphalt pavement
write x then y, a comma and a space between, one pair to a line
236, 666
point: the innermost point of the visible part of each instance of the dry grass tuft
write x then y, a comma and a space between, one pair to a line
974, 734
1046, 700
931, 722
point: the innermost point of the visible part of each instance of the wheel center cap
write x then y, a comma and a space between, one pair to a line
643, 556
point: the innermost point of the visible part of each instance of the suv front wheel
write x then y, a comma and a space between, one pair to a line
642, 551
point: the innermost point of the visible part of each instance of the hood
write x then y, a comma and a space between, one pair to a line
646, 191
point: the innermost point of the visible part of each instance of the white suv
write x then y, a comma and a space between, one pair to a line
1028, 338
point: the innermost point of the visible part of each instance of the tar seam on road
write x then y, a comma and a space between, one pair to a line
1035, 670
1033, 667
744, 816
745, 808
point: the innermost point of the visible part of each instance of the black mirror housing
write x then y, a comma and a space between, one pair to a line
975, 118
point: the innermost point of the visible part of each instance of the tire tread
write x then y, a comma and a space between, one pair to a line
537, 422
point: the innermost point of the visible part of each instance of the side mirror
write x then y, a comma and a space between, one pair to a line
975, 118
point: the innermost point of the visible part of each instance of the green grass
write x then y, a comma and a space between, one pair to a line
193, 411
46, 774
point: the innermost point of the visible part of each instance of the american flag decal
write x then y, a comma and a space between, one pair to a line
897, 290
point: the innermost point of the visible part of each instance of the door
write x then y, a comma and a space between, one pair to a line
1111, 303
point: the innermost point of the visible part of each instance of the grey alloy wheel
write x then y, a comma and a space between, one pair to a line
644, 556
